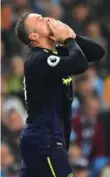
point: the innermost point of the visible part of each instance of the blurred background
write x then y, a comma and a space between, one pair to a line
89, 152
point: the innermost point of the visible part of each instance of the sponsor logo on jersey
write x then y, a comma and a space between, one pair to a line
67, 81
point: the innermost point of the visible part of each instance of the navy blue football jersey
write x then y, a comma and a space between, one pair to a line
48, 87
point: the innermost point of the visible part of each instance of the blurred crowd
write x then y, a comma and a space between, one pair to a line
89, 152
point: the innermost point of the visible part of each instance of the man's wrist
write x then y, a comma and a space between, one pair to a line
67, 40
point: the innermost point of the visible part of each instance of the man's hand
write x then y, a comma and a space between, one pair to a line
60, 31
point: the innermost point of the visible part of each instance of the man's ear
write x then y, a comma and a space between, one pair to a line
33, 36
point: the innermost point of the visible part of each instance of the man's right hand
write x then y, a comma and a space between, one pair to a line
60, 31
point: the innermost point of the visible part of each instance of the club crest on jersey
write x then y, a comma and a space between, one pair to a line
67, 81
53, 60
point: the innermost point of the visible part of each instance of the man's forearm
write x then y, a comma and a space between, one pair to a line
91, 49
76, 61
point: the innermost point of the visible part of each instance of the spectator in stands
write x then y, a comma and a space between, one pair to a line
83, 87
15, 77
93, 31
6, 16
80, 167
88, 129
79, 15
74, 152
7, 159
55, 11
7, 31
11, 123
96, 80
10, 128
10, 102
